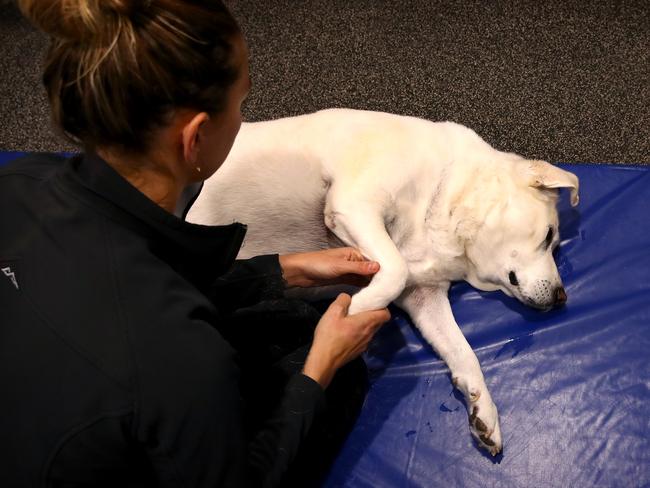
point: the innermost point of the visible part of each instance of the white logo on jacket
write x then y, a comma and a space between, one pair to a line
431, 202
11, 275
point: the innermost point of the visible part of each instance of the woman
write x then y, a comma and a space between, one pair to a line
115, 369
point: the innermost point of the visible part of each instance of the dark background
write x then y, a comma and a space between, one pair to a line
565, 81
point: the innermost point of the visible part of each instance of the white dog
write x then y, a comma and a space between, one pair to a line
431, 202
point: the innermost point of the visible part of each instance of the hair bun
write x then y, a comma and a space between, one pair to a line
93, 21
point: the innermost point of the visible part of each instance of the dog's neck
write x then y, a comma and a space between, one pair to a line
451, 221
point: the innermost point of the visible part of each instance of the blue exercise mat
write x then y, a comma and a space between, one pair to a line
6, 156
572, 385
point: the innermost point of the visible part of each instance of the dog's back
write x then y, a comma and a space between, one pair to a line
278, 172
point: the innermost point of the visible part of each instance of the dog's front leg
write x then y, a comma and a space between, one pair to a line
431, 312
362, 226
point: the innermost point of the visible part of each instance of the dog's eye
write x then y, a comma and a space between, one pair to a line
513, 278
549, 237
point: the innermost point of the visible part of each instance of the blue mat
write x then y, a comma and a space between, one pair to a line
6, 156
572, 386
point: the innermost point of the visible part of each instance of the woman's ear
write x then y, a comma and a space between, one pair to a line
192, 138
541, 174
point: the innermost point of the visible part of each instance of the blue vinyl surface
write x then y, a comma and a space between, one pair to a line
572, 385
6, 156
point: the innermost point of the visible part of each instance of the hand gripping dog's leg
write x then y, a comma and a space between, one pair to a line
362, 226
430, 310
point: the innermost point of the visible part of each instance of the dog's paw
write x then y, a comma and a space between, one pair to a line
484, 424
483, 415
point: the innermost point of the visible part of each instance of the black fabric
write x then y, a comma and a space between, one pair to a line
113, 369
273, 340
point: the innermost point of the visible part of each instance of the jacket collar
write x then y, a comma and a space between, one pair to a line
201, 253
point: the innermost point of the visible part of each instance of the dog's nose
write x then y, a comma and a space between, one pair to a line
560, 296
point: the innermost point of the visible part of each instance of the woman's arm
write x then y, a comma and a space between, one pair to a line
248, 282
189, 412
343, 265
251, 281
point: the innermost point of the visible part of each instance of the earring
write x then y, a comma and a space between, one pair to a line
198, 168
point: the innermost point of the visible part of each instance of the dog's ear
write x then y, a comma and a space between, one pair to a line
541, 174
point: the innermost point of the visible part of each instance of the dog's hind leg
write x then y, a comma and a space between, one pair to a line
431, 312
361, 225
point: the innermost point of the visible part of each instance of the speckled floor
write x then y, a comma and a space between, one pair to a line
559, 80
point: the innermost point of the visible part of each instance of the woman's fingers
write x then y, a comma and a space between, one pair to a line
342, 303
348, 253
377, 316
358, 268
354, 254
372, 319
364, 267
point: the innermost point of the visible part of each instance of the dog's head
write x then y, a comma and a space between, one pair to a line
511, 249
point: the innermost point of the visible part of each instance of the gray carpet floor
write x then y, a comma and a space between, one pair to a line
565, 81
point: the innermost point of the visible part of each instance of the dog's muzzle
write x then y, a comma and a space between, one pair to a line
546, 297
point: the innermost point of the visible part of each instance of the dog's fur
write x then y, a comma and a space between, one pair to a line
431, 202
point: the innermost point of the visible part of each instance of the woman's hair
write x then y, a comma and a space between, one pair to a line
116, 69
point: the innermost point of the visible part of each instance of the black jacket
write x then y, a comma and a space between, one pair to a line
112, 371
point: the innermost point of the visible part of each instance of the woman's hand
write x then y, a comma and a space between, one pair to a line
344, 265
339, 338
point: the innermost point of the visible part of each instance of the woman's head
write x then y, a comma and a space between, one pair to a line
118, 70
